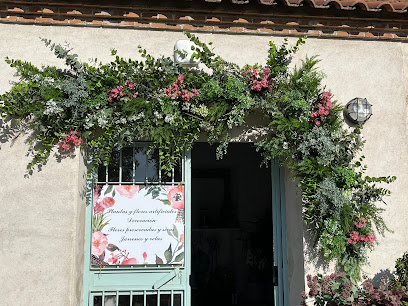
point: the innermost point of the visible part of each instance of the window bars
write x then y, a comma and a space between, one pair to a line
137, 165
137, 298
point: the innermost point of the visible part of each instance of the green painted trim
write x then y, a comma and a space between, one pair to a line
165, 279
279, 234
284, 237
88, 233
187, 231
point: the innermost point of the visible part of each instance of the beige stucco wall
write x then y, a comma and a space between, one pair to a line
42, 218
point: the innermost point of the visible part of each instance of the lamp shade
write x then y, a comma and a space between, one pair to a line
183, 52
358, 110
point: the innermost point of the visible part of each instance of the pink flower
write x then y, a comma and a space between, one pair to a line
361, 223
102, 205
129, 84
322, 108
353, 238
144, 255
182, 238
176, 197
174, 92
99, 243
127, 191
70, 140
129, 261
259, 79
113, 259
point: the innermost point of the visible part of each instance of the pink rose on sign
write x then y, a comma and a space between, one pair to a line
127, 191
103, 204
182, 238
176, 197
130, 261
99, 243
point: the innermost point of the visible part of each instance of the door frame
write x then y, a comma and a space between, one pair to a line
281, 287
173, 280
280, 253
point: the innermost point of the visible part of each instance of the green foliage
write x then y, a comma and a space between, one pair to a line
109, 105
401, 270
332, 239
338, 289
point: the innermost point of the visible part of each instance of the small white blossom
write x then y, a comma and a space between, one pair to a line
102, 122
201, 110
121, 121
136, 117
169, 118
158, 115
206, 126
52, 107
88, 122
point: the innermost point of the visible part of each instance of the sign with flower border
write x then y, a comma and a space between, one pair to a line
138, 225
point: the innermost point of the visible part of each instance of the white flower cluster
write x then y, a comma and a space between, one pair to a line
48, 80
206, 126
158, 115
169, 118
134, 118
102, 118
88, 122
51, 107
201, 110
121, 121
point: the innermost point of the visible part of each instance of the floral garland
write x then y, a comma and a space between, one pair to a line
103, 107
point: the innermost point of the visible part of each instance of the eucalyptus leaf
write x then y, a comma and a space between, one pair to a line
166, 202
108, 190
179, 257
175, 231
168, 254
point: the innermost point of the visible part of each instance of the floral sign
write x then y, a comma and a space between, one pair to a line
138, 225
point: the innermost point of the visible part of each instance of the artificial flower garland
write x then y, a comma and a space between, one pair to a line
103, 107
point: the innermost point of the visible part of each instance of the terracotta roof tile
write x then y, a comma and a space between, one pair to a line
395, 6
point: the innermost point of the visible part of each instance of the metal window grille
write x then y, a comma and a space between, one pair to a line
137, 165
137, 298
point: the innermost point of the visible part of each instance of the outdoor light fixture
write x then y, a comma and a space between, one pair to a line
183, 52
358, 110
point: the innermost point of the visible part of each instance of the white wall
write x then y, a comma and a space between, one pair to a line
41, 223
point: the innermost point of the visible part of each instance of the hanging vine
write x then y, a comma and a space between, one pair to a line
102, 107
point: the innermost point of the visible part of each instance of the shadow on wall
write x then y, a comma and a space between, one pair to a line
312, 254
383, 273
13, 129
10, 130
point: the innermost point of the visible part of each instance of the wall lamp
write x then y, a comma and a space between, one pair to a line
358, 110
183, 53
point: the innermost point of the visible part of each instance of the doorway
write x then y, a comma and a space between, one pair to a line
232, 232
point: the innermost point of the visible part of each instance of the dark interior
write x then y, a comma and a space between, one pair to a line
232, 241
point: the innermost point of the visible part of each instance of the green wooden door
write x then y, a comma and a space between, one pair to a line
151, 274
280, 256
